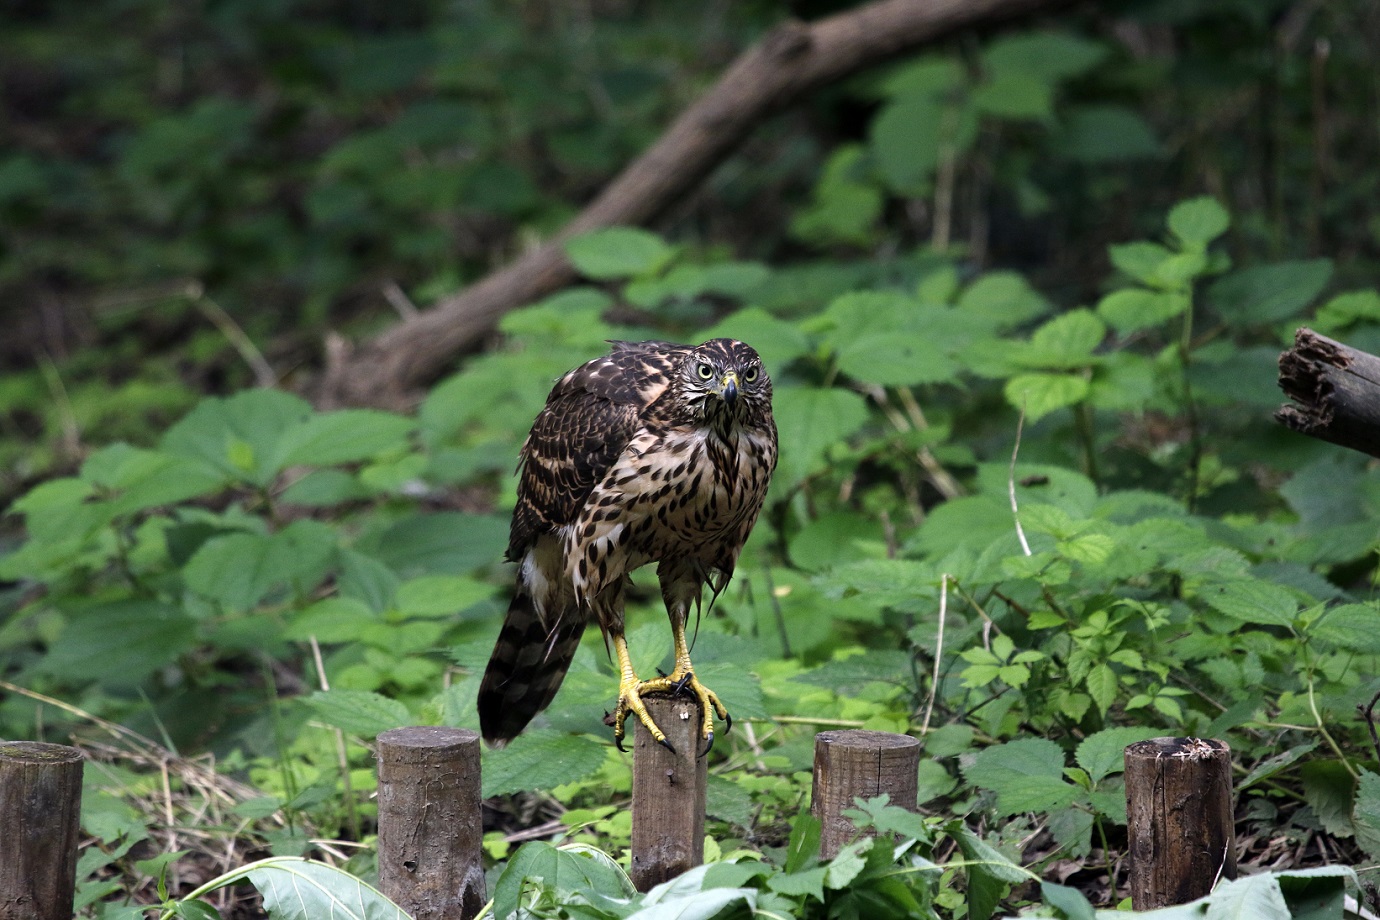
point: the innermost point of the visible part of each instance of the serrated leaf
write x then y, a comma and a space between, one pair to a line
1132, 309
1255, 897
1349, 626
1040, 394
1330, 790
119, 643
540, 759
239, 435
440, 595
1198, 221
1252, 601
360, 712
1272, 765
1027, 775
1269, 293
1365, 813
1103, 753
810, 420
343, 436
1101, 683
618, 252
1067, 341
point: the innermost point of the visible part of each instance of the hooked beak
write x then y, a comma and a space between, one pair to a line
728, 388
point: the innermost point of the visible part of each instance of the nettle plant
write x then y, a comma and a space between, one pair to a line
1030, 536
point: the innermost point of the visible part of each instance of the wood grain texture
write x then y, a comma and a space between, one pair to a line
859, 764
40, 827
1182, 838
1336, 392
430, 828
668, 793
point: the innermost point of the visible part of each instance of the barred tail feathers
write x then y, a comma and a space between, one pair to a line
526, 668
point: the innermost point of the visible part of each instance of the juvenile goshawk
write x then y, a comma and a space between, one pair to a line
656, 452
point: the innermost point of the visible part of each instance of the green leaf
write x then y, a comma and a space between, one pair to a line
810, 420
359, 712
1330, 791
802, 850
440, 595
1004, 297
1103, 753
807, 883
1269, 293
1132, 309
1254, 897
1365, 813
905, 138
1198, 221
1252, 601
119, 643
238, 570
439, 542
1140, 260
1068, 901
1067, 341
1040, 394
619, 252
1107, 134
1102, 686
344, 436
540, 759
1027, 775
1272, 765
1044, 55
1349, 626
298, 889
239, 435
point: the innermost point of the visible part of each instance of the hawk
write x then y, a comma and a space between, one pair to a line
656, 452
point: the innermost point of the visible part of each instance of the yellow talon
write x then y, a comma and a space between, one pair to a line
631, 690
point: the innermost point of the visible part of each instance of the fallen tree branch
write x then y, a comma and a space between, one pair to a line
789, 62
1337, 391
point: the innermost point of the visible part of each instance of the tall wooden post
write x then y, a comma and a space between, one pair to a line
40, 825
668, 793
1179, 819
859, 764
430, 829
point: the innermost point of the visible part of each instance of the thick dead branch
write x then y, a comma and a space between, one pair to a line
1337, 391
792, 60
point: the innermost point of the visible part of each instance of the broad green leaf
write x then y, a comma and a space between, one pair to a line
1140, 260
1068, 900
1067, 341
239, 435
299, 889
619, 252
1040, 394
1107, 134
1101, 683
1103, 753
1132, 309
1272, 765
344, 436
929, 74
1014, 96
540, 759
137, 479
1045, 55
1005, 297
359, 712
441, 542
905, 137
1365, 813
440, 595
1269, 293
1318, 893
806, 883
238, 570
802, 850
1330, 790
332, 619
119, 643
1351, 627
1027, 775
1252, 601
810, 420
1198, 221
1254, 897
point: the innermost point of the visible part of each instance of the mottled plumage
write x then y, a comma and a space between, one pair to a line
656, 452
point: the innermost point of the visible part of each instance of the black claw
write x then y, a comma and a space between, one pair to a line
728, 722
667, 745
618, 742
679, 686
709, 745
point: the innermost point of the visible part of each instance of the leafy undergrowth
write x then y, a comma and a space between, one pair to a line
1028, 536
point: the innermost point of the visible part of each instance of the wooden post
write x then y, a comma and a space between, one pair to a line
1336, 392
40, 825
430, 829
668, 793
1179, 819
859, 764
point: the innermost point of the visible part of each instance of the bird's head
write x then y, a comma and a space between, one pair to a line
725, 381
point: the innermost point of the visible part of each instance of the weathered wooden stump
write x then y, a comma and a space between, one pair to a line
40, 825
1336, 392
668, 793
430, 828
859, 764
1179, 819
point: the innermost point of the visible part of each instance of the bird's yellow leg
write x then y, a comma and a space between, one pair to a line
630, 691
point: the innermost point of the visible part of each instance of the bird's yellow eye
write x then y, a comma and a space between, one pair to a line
750, 375
705, 371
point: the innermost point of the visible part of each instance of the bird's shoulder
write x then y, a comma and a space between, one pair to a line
590, 417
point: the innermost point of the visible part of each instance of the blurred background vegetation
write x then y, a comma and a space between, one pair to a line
194, 195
